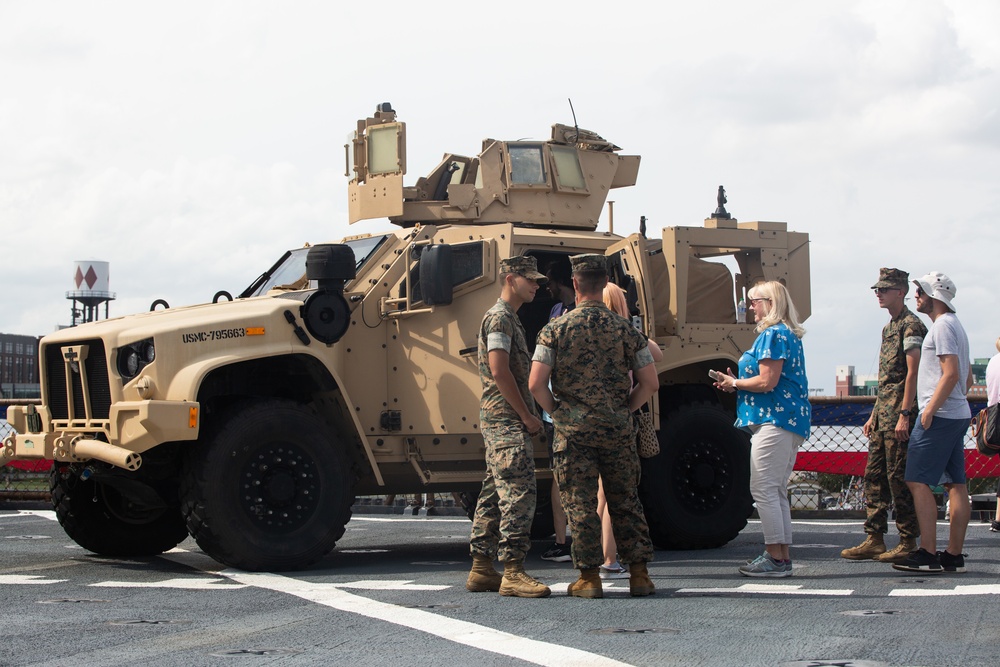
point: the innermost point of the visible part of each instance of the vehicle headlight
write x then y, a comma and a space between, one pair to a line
134, 357
128, 363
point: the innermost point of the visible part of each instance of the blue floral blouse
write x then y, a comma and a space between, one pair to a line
787, 405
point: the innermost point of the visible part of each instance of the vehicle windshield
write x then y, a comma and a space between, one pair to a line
291, 267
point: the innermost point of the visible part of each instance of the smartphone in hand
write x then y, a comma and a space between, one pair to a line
715, 375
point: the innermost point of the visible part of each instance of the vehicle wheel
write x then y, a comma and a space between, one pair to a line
101, 519
696, 491
267, 488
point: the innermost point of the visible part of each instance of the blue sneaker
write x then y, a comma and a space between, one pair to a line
765, 566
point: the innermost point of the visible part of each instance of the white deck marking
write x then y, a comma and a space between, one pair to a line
383, 585
183, 584
460, 632
771, 589
45, 514
27, 579
978, 589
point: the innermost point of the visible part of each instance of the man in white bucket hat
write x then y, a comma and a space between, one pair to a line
937, 445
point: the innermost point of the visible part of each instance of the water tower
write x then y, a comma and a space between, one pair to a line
91, 280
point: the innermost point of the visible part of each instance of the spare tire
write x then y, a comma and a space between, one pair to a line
696, 491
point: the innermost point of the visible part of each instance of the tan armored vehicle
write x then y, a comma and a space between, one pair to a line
350, 369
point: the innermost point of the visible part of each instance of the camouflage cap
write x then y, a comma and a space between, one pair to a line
525, 266
589, 262
892, 278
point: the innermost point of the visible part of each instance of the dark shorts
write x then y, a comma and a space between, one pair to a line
937, 456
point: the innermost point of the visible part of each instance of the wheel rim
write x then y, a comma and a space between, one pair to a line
280, 487
702, 476
126, 511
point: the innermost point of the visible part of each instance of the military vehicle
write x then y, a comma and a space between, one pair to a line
351, 368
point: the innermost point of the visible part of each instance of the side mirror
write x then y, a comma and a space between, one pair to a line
436, 275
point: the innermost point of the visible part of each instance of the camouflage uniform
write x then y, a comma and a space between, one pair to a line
591, 351
886, 455
501, 526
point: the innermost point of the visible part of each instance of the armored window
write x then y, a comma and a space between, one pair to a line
569, 175
527, 165
383, 149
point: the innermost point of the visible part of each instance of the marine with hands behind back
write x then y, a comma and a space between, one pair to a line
588, 354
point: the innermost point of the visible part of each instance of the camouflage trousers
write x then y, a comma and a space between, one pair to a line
577, 468
501, 526
884, 485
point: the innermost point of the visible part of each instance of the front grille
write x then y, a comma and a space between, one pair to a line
96, 369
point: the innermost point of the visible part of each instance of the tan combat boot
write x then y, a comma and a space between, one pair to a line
872, 547
639, 583
517, 583
900, 552
483, 576
588, 585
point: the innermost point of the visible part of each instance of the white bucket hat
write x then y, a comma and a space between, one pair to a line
938, 286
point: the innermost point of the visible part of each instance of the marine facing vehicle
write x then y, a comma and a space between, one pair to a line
351, 368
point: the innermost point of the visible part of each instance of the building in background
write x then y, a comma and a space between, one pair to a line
978, 390
849, 384
19, 366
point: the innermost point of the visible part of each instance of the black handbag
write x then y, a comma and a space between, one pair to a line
986, 429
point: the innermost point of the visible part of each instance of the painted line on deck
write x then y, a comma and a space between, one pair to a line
769, 589
977, 589
461, 632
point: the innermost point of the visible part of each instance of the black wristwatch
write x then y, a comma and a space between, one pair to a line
905, 413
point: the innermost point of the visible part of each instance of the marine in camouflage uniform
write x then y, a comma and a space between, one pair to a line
588, 353
501, 526
888, 429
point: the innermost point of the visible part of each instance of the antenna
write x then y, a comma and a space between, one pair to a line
576, 126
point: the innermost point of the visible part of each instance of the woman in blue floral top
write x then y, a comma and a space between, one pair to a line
773, 404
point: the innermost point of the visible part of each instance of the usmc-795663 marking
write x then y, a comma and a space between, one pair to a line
216, 334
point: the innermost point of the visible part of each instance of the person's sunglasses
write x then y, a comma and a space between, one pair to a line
920, 292
762, 298
883, 290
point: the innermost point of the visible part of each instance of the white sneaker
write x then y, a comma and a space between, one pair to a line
614, 571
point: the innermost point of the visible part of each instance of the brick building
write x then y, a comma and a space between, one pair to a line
18, 366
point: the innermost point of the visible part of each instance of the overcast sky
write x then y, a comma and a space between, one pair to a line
189, 143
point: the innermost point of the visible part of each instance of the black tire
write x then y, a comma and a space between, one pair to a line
696, 491
267, 488
100, 519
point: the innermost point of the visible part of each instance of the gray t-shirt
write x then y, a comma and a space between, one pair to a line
946, 336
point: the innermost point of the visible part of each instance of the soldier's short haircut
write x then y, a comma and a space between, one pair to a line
589, 282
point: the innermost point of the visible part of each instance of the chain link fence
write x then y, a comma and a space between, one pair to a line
829, 469
23, 480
